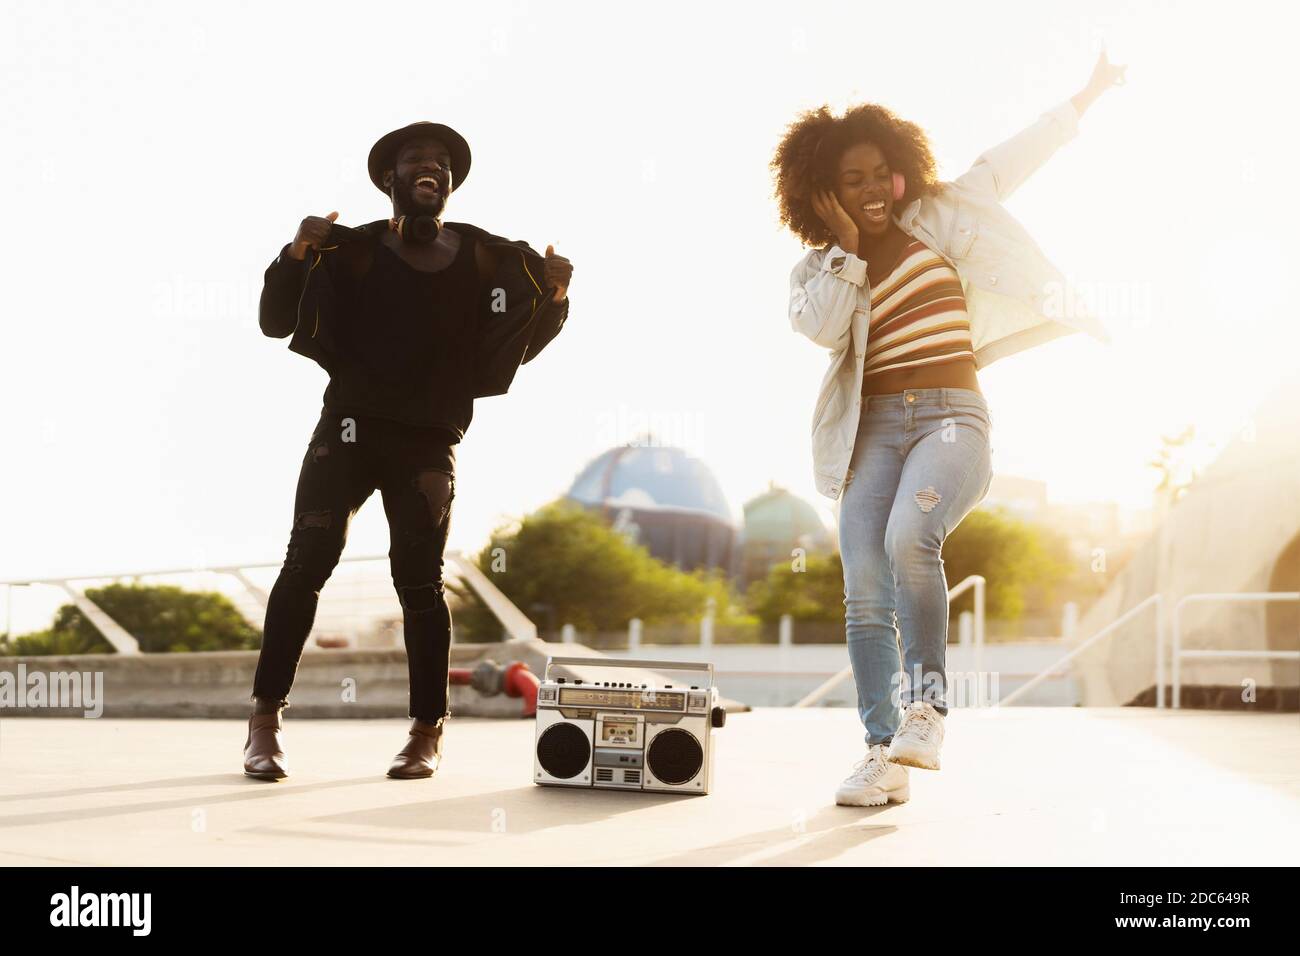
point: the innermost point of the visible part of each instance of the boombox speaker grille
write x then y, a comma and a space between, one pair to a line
563, 751
675, 756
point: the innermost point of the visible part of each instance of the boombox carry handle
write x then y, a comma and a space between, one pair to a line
706, 667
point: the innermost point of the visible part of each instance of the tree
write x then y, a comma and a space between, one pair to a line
1172, 462
161, 617
1023, 565
815, 593
567, 560
52, 643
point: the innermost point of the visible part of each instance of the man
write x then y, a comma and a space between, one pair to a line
413, 319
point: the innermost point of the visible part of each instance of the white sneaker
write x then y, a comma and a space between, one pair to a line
919, 737
874, 782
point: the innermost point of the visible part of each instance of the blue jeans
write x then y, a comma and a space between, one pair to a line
920, 464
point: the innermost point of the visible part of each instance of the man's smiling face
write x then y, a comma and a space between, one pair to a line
422, 178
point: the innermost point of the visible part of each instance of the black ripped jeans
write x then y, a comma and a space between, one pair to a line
349, 456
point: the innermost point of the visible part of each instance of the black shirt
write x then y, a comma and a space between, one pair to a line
405, 342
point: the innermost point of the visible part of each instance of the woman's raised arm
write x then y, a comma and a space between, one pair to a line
1002, 169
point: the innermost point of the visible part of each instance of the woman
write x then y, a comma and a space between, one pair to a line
914, 284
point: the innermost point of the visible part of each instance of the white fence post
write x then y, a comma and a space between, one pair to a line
706, 624
1069, 620
634, 633
568, 634
785, 636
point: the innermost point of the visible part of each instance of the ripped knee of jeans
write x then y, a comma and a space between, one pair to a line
314, 547
421, 597
927, 498
437, 488
306, 520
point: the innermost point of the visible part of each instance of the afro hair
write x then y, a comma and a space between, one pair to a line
808, 157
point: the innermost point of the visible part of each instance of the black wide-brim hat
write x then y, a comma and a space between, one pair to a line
383, 154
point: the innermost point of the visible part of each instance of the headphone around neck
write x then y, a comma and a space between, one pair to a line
417, 229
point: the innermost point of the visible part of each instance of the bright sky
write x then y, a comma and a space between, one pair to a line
159, 154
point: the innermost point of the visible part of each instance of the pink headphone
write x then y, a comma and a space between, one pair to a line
900, 184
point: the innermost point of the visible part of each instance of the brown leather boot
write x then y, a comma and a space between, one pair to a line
263, 752
422, 753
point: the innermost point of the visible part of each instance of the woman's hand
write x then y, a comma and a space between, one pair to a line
1104, 75
830, 211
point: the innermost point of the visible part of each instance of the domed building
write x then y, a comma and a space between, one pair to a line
776, 523
664, 499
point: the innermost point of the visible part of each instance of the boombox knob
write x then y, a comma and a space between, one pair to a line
718, 716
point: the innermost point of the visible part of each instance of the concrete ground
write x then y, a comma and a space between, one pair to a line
1022, 785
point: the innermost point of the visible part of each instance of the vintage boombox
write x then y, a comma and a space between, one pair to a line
626, 735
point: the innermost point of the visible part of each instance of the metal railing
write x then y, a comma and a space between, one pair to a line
1243, 596
975, 581
1132, 612
513, 620
1179, 654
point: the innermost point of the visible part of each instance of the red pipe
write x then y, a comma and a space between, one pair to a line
515, 680
521, 682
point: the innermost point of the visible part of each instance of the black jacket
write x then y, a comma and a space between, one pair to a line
517, 314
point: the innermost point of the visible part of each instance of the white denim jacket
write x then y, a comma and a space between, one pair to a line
1015, 298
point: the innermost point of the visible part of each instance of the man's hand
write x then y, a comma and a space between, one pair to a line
558, 272
830, 211
311, 235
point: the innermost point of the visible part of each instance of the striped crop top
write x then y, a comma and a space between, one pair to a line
918, 315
